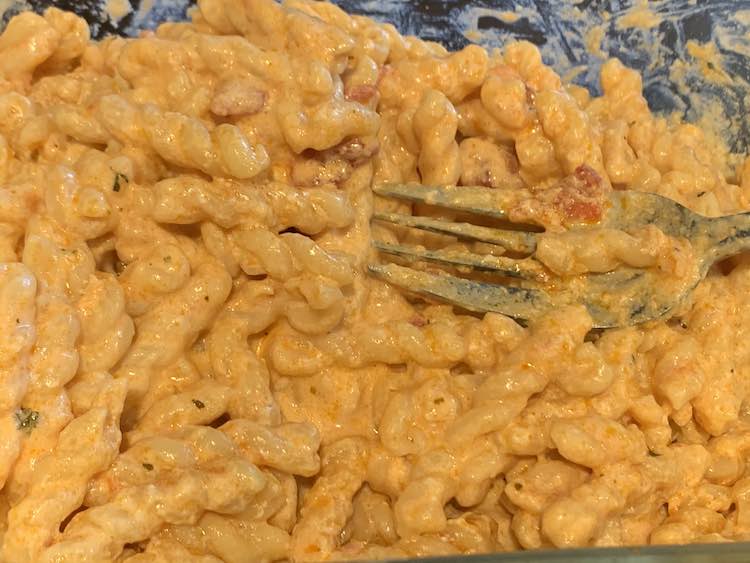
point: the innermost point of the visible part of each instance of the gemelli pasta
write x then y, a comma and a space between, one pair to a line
195, 366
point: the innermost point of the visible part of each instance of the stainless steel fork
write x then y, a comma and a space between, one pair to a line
624, 296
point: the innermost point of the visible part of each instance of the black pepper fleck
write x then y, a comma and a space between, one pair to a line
118, 179
26, 420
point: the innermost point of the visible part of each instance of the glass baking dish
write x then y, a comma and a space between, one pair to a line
563, 31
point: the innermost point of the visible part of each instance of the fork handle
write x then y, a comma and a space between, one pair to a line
728, 235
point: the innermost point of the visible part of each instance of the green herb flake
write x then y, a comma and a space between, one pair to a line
118, 179
199, 404
167, 259
26, 420
148, 466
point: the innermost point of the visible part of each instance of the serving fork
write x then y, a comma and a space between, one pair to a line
525, 289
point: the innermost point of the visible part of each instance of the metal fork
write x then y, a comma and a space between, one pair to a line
622, 297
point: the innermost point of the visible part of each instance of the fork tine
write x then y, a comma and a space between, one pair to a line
525, 269
480, 297
491, 202
515, 241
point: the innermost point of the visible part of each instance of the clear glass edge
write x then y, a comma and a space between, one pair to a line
738, 552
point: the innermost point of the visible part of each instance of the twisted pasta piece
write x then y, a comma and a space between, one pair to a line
85, 211
466, 534
527, 370
475, 120
181, 375
623, 89
314, 112
77, 124
61, 262
653, 421
17, 335
230, 56
535, 486
85, 447
236, 539
326, 125
436, 477
435, 124
480, 464
198, 405
456, 75
147, 63
276, 27
74, 36
187, 199
432, 341
432, 482
328, 504
371, 39
574, 519
106, 329
568, 126
254, 218
51, 89
316, 308
214, 477
182, 140
291, 447
368, 55
372, 519
525, 58
718, 404
484, 163
260, 251
581, 440
162, 270
695, 524
395, 162
728, 453
169, 327
15, 111
26, 43
414, 419
288, 255
505, 97
234, 364
63, 267
27, 131
255, 534
54, 362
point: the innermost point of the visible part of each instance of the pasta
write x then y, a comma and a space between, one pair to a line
195, 366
